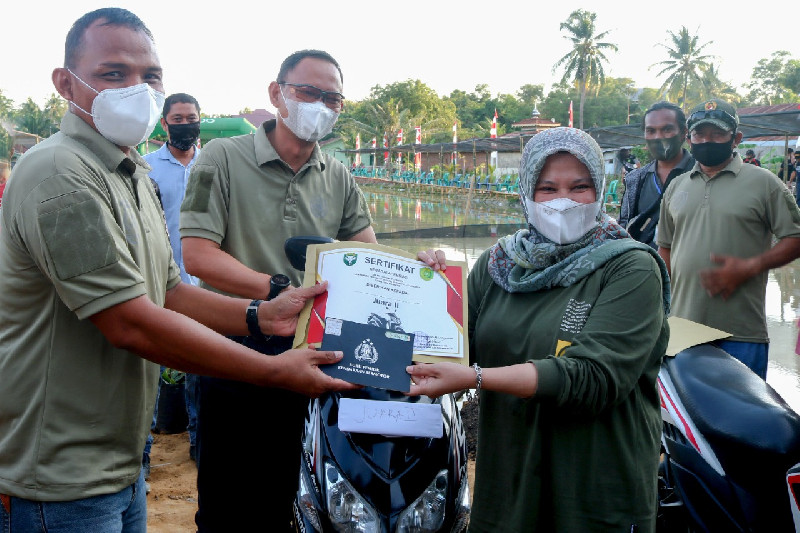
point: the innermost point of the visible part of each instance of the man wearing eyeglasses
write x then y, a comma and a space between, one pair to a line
246, 196
716, 230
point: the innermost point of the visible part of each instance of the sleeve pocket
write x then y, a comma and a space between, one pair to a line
75, 235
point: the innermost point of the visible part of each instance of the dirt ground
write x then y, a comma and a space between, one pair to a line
172, 501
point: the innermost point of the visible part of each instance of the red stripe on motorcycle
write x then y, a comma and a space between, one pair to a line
686, 427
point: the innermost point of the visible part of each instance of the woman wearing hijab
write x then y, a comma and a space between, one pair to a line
567, 329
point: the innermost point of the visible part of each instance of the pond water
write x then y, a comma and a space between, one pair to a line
465, 225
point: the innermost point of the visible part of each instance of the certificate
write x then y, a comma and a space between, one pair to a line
390, 289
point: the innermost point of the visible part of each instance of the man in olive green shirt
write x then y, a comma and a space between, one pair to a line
91, 300
246, 196
715, 231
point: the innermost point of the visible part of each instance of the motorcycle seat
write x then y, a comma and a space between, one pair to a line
742, 417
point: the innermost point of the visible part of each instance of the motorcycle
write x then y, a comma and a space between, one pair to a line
731, 448
364, 483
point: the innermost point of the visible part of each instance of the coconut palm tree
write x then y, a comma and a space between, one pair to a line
583, 65
686, 63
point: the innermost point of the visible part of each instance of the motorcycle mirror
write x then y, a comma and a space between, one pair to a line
295, 249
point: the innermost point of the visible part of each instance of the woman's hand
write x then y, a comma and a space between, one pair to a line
435, 379
433, 258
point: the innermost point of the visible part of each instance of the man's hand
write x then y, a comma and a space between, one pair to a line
434, 259
732, 272
279, 316
300, 372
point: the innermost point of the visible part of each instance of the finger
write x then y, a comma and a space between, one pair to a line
441, 260
325, 357
311, 292
426, 257
719, 259
341, 385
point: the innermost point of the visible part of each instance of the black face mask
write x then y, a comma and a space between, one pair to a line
183, 136
666, 148
712, 154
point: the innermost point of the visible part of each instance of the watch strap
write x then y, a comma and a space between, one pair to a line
252, 320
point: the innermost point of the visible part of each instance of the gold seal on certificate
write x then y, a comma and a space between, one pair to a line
390, 289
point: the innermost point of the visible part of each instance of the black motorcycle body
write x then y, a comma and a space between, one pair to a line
354, 482
731, 447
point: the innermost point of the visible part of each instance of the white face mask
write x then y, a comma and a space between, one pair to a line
562, 220
310, 121
125, 116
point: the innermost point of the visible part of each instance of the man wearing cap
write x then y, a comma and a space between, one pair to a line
664, 127
750, 157
715, 234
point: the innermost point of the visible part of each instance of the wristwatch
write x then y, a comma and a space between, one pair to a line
252, 321
277, 283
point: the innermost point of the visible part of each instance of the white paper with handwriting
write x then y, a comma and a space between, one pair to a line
397, 419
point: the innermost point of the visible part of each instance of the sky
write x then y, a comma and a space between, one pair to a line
225, 53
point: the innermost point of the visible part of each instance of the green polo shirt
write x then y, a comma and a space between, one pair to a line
82, 231
735, 213
242, 196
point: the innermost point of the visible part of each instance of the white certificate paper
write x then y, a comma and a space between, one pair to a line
389, 288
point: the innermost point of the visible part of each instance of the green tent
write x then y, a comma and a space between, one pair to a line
211, 128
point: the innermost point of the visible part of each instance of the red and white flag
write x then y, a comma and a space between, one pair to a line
417, 155
400, 141
374, 142
385, 145
570, 114
455, 140
358, 147
493, 131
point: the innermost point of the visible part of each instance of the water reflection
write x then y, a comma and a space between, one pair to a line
403, 211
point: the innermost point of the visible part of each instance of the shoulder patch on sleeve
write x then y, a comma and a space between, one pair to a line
198, 193
75, 235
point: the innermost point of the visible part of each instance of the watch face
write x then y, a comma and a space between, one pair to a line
280, 280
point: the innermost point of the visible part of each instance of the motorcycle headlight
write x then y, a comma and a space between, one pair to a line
426, 514
348, 511
307, 502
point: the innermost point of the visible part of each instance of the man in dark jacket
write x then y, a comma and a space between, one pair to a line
665, 132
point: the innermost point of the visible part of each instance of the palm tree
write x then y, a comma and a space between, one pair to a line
584, 63
686, 63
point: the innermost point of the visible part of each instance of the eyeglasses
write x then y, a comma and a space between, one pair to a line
308, 93
712, 113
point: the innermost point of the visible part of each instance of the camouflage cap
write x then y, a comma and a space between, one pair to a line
716, 112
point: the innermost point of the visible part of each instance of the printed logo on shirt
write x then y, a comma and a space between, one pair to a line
562, 345
575, 316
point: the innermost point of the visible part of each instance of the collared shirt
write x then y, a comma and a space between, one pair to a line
651, 185
242, 196
735, 213
172, 177
82, 231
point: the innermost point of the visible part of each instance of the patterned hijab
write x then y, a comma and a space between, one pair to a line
528, 261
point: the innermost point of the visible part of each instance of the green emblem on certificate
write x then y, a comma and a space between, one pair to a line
350, 259
426, 274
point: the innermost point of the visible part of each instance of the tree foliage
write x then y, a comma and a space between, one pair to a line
775, 79
583, 65
43, 122
686, 64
